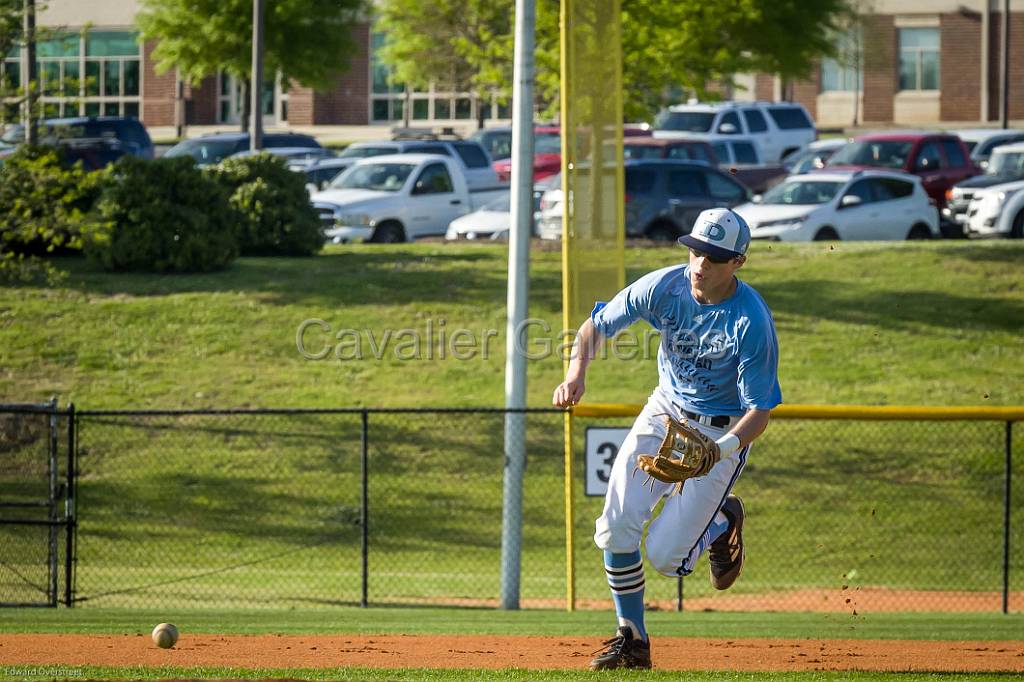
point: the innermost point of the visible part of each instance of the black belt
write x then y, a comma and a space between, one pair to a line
719, 421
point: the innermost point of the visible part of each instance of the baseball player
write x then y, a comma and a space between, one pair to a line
718, 368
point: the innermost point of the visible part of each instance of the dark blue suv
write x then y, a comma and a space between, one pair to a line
210, 149
664, 196
96, 141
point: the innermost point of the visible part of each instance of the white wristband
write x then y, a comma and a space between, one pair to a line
728, 444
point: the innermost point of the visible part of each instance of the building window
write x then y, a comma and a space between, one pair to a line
919, 58
231, 104
387, 98
11, 73
229, 98
10, 81
436, 103
844, 72
113, 65
58, 72
94, 73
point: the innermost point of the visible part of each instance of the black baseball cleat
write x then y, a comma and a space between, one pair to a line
726, 553
623, 651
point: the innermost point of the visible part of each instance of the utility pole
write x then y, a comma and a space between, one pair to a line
256, 86
1004, 86
28, 70
179, 105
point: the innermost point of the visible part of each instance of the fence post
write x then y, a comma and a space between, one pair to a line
364, 513
69, 511
1006, 517
53, 495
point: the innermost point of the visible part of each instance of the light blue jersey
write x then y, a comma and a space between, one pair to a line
713, 359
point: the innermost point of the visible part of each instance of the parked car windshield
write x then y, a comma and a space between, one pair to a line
547, 143
204, 151
801, 162
383, 177
364, 152
497, 143
802, 192
50, 132
14, 134
1006, 163
884, 153
690, 121
641, 151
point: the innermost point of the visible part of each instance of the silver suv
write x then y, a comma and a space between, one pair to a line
779, 128
469, 154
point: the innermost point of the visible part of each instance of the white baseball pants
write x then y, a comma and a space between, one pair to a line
681, 532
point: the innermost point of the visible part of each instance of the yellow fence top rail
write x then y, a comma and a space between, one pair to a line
856, 412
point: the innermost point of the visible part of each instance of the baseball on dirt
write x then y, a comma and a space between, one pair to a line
165, 635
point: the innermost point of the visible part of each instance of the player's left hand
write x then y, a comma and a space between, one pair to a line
569, 392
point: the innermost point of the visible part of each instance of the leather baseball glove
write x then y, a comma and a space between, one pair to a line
684, 453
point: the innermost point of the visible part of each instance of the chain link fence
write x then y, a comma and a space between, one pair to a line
855, 516
35, 519
297, 508
308, 508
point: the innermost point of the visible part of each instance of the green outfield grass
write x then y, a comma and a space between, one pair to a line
872, 323
263, 512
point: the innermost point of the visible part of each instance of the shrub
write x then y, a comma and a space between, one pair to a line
43, 206
276, 216
42, 200
161, 216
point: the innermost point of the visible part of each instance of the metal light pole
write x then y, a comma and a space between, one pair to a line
518, 296
28, 70
256, 84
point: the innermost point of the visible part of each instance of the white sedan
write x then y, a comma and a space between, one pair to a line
491, 221
847, 205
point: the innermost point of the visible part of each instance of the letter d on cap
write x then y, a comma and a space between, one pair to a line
713, 231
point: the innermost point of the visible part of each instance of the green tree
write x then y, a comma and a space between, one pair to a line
308, 41
10, 24
10, 36
667, 45
457, 44
700, 46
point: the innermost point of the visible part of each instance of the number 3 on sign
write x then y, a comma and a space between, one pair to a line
602, 445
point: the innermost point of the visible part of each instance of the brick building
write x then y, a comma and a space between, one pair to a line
914, 62
95, 44
921, 62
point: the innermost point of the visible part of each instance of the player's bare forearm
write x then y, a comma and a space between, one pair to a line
750, 426
584, 350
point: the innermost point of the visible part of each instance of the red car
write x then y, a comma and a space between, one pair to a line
547, 151
547, 154
940, 160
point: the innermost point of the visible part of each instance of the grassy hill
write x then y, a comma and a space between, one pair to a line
264, 510
875, 323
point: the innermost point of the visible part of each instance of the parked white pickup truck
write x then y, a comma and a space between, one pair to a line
396, 198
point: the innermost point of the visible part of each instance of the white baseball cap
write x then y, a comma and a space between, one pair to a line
718, 232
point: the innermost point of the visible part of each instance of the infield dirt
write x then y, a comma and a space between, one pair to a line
498, 652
